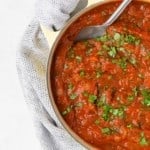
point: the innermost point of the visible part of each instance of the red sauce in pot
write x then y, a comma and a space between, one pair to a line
102, 85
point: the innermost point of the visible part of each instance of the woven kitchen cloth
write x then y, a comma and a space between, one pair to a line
32, 58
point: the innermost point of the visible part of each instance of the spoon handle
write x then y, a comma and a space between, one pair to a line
117, 13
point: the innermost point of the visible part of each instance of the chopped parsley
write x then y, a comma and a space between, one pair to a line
71, 107
103, 38
105, 47
130, 98
73, 96
131, 39
130, 126
79, 104
117, 36
112, 51
92, 98
123, 63
79, 59
146, 97
67, 110
137, 42
71, 53
89, 51
100, 52
133, 61
106, 130
82, 73
106, 112
117, 112
143, 141
97, 122
70, 86
98, 74
110, 112
122, 49
135, 91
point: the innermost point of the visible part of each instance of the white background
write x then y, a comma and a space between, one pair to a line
16, 128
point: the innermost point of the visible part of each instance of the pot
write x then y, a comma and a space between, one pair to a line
50, 72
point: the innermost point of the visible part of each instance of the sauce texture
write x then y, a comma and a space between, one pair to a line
102, 85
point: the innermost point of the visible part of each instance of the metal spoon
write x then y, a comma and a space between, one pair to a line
99, 30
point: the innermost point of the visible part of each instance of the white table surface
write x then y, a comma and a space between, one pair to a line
16, 128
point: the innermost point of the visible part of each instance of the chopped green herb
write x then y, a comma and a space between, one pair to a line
121, 41
107, 131
89, 51
109, 111
135, 91
98, 74
71, 53
105, 47
79, 59
121, 49
130, 97
120, 113
64, 113
68, 110
73, 96
92, 98
100, 52
70, 86
79, 104
112, 51
106, 112
123, 63
130, 39
137, 42
82, 73
117, 112
117, 36
114, 111
129, 126
146, 97
143, 141
103, 38
97, 122
132, 60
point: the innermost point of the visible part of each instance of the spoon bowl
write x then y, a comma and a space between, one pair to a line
99, 30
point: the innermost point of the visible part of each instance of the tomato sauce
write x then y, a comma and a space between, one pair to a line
102, 85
